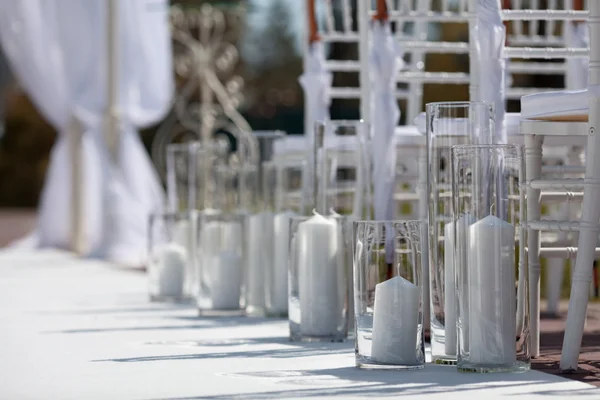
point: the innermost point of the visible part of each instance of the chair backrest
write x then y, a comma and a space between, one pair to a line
416, 24
424, 30
540, 41
544, 41
338, 26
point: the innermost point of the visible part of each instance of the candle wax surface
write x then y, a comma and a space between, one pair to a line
227, 281
184, 237
450, 265
395, 322
221, 266
492, 297
168, 270
321, 313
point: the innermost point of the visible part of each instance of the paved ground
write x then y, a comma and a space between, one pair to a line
16, 223
551, 342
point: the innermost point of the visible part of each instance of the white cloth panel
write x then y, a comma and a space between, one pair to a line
57, 49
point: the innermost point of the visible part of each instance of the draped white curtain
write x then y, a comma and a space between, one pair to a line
58, 51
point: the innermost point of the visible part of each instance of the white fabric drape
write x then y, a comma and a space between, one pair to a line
57, 50
386, 60
316, 82
489, 36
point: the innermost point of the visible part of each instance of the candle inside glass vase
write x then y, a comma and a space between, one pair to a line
452, 257
221, 263
492, 292
167, 272
395, 322
493, 320
282, 183
277, 295
318, 285
259, 236
388, 294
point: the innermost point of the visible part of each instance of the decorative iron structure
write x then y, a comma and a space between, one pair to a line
209, 89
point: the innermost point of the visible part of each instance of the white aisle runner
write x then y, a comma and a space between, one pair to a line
73, 329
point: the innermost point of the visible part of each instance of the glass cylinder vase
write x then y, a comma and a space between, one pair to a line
191, 175
447, 124
318, 292
342, 178
388, 295
491, 292
282, 198
341, 171
257, 237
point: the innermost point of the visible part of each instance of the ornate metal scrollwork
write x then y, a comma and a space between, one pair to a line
209, 90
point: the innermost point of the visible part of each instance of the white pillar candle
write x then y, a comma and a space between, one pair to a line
168, 269
318, 285
210, 244
259, 239
450, 301
395, 322
221, 266
492, 294
279, 269
226, 283
184, 236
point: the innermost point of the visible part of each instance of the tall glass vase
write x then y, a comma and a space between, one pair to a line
448, 124
490, 292
283, 201
342, 183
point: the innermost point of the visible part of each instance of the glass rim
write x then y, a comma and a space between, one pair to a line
174, 214
507, 146
194, 145
341, 122
390, 221
235, 216
273, 134
292, 161
241, 169
458, 104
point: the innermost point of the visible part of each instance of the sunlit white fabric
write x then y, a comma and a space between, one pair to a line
316, 82
385, 61
488, 36
57, 50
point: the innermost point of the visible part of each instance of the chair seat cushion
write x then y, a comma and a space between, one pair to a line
556, 106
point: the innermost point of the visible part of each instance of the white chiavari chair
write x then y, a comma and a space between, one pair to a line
540, 136
588, 225
537, 31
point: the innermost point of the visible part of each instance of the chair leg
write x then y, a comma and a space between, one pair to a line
423, 212
533, 170
588, 228
556, 267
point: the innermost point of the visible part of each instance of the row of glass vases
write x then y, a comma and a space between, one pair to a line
477, 237
478, 298
225, 226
